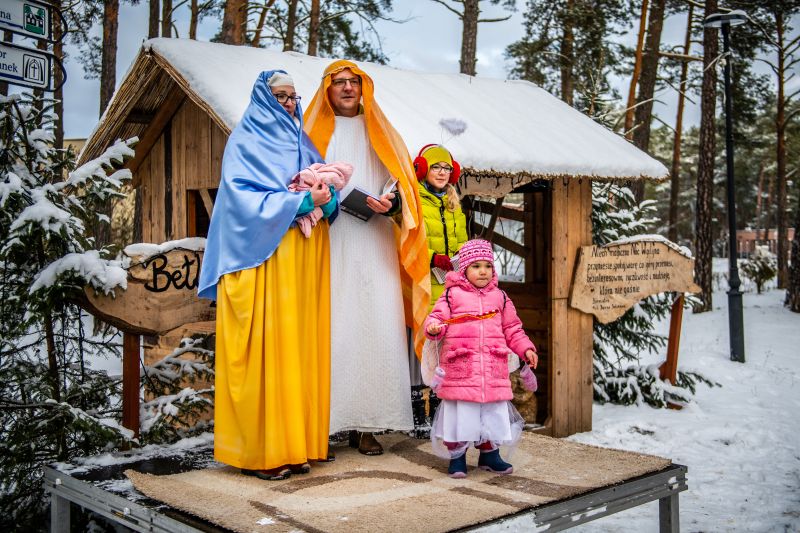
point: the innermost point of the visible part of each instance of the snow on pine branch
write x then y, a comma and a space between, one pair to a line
172, 367
103, 274
96, 168
45, 213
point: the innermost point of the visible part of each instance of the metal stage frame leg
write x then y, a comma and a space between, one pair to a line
668, 517
59, 514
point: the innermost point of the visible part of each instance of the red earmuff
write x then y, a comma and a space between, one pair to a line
421, 166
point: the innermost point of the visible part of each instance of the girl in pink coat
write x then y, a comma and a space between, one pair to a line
478, 327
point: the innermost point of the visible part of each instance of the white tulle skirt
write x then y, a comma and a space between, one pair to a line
457, 425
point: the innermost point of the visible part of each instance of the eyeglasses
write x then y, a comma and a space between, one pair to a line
442, 168
339, 83
282, 98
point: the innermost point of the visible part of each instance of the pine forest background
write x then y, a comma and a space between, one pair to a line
54, 408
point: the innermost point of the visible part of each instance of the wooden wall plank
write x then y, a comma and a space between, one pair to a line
559, 275
218, 140
183, 142
143, 198
575, 357
558, 348
559, 354
154, 131
587, 322
157, 215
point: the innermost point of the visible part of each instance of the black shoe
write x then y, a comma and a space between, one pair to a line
458, 467
365, 442
273, 474
304, 468
492, 462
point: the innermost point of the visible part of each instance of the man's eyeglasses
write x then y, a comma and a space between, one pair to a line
339, 83
282, 98
442, 168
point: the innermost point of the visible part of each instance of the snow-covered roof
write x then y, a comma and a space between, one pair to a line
513, 126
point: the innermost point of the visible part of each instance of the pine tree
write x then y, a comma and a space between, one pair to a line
618, 377
54, 405
616, 214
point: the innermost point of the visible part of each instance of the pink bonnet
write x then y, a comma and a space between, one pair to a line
474, 250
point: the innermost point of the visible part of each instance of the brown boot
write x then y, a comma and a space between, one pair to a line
365, 442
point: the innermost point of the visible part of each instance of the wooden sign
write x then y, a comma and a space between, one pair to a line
611, 279
161, 295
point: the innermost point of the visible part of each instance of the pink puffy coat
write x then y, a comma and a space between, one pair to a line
474, 354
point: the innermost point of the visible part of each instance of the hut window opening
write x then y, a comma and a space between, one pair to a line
502, 221
200, 203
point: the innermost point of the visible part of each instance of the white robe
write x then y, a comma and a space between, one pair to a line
370, 383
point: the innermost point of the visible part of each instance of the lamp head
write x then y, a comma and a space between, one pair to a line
733, 18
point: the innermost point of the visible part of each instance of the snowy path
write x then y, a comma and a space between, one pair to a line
741, 442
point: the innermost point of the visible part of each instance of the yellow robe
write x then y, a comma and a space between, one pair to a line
272, 398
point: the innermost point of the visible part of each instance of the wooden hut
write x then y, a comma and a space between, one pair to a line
182, 98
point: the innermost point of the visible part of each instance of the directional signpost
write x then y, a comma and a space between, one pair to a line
22, 65
25, 66
28, 18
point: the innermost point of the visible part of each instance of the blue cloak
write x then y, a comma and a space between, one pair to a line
254, 208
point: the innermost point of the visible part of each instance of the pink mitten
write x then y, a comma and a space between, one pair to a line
438, 378
528, 378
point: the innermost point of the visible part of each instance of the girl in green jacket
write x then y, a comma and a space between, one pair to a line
445, 223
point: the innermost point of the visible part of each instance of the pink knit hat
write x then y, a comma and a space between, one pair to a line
474, 250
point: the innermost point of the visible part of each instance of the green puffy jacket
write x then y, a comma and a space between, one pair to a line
447, 230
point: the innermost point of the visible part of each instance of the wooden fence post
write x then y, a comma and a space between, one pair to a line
130, 382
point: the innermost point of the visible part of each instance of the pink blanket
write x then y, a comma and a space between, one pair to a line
336, 174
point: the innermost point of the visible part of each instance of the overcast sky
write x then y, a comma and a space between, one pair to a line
429, 41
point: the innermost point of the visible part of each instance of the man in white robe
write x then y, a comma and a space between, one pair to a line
370, 382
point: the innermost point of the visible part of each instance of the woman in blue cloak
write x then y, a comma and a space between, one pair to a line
272, 287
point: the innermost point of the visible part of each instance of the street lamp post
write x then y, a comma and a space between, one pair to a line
724, 21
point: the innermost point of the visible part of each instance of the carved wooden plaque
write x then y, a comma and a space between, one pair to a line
161, 295
610, 279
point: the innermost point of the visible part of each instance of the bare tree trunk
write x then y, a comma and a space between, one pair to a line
291, 23
233, 22
166, 18
759, 199
469, 36
7, 37
637, 68
675, 171
108, 69
152, 23
262, 18
313, 28
768, 207
780, 159
647, 86
195, 10
793, 289
567, 52
705, 172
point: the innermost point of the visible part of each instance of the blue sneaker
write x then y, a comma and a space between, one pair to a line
492, 462
458, 467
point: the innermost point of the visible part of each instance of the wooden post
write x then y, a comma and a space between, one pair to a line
669, 368
130, 382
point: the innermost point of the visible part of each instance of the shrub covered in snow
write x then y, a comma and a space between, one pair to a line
760, 268
53, 405
173, 408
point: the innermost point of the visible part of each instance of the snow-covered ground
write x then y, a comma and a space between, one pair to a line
740, 441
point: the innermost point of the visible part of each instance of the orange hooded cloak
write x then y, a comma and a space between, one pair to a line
391, 150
